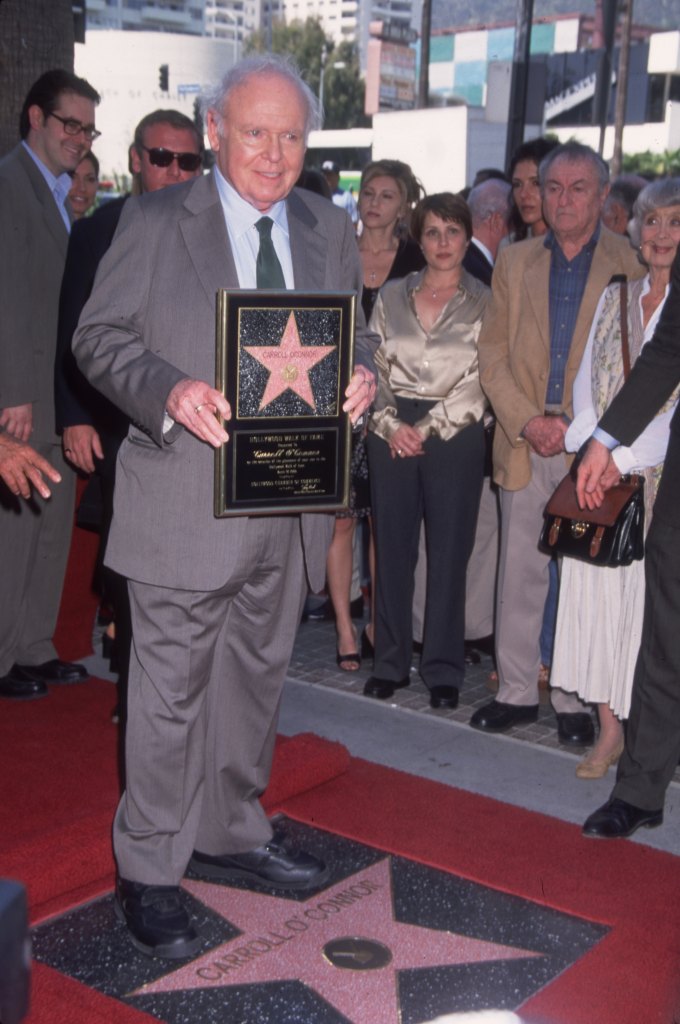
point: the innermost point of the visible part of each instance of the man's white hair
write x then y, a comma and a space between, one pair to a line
215, 99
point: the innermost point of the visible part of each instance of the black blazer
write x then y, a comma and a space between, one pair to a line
76, 401
476, 263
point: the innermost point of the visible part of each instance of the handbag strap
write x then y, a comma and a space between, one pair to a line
625, 348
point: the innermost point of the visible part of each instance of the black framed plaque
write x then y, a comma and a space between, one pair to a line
283, 361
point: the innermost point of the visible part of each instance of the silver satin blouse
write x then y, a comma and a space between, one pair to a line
439, 365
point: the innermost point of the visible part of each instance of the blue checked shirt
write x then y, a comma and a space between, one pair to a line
567, 284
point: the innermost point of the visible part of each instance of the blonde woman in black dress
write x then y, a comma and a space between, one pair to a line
387, 193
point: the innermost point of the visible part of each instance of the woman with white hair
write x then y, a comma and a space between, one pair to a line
599, 619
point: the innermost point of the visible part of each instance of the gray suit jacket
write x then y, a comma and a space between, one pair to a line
32, 256
149, 323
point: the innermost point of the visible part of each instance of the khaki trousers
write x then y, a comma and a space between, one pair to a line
523, 582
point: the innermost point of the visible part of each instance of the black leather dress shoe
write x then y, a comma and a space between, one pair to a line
16, 688
483, 645
472, 655
326, 611
617, 820
497, 716
54, 671
575, 729
157, 921
383, 689
272, 865
443, 697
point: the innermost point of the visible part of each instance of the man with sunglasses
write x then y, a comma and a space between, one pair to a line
215, 602
56, 129
167, 150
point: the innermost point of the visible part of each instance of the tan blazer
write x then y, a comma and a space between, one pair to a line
514, 343
149, 323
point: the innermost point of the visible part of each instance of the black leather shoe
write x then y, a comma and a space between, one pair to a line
483, 645
575, 729
497, 716
17, 688
472, 655
54, 671
443, 697
326, 611
617, 820
157, 921
272, 865
383, 689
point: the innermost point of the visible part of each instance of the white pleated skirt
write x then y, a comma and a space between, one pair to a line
597, 638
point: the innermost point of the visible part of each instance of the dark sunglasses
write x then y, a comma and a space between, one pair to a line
160, 157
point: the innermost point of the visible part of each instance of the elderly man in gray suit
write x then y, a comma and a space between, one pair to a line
57, 130
215, 603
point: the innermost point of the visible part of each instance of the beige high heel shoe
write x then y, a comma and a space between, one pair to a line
589, 769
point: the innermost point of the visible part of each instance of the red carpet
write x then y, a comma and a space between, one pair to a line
73, 635
58, 789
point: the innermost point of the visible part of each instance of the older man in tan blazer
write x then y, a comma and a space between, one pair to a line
545, 291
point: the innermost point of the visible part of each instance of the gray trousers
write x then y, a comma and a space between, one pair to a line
35, 537
206, 675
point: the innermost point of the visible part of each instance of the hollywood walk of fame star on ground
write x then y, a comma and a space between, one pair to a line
281, 941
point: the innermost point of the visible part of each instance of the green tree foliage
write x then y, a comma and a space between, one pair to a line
308, 45
653, 165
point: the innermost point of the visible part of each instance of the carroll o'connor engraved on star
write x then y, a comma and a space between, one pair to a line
289, 364
282, 940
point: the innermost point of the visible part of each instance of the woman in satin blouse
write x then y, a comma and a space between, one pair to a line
426, 451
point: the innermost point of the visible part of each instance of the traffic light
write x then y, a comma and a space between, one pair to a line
163, 74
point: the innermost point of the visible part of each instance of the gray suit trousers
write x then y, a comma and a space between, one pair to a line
35, 537
200, 662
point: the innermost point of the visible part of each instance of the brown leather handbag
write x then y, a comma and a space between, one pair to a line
613, 534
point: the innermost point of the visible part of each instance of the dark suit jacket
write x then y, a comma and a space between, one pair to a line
32, 255
76, 401
652, 380
150, 323
476, 263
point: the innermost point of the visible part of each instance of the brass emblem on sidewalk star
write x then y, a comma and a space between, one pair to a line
357, 954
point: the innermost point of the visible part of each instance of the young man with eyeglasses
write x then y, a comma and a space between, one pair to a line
56, 129
167, 149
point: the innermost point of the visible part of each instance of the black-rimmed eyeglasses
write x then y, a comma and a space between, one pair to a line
73, 127
161, 157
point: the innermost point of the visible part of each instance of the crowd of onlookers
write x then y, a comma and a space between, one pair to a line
499, 315
497, 359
